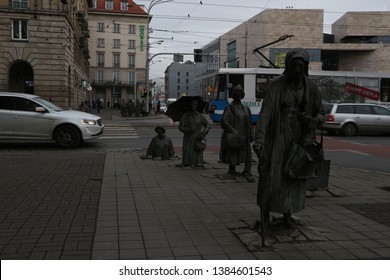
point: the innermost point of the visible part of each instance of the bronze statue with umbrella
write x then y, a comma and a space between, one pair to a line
182, 105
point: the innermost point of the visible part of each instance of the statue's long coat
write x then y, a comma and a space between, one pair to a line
277, 129
191, 125
236, 116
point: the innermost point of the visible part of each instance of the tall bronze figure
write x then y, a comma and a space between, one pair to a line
291, 110
195, 128
237, 135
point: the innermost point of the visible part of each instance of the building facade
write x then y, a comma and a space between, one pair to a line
119, 42
44, 49
359, 41
180, 80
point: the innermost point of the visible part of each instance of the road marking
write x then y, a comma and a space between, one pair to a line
360, 144
120, 137
120, 128
350, 151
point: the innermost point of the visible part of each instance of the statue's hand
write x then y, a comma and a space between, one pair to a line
258, 148
308, 120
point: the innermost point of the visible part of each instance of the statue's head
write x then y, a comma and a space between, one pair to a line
297, 62
238, 93
160, 130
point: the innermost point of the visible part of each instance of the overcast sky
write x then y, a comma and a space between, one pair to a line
185, 25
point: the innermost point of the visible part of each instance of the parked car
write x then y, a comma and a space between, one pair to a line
356, 118
163, 107
30, 117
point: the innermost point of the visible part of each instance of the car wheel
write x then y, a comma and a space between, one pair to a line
349, 129
67, 137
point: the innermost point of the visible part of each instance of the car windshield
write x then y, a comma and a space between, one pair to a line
48, 104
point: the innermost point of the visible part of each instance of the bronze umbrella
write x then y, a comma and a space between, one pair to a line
182, 105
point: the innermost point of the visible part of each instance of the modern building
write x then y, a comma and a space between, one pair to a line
118, 48
359, 41
180, 80
44, 49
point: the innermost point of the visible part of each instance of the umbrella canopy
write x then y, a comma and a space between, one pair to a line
182, 105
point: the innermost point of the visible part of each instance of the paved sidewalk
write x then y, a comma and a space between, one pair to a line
150, 209
87, 205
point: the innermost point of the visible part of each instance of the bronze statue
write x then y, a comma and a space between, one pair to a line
291, 110
160, 146
195, 128
237, 128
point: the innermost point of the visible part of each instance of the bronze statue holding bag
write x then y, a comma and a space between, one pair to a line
291, 112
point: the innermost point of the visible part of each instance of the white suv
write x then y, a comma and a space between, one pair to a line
356, 118
29, 117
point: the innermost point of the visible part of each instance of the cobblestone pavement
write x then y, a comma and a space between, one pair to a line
49, 204
113, 205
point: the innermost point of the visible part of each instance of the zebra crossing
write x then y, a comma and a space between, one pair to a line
119, 132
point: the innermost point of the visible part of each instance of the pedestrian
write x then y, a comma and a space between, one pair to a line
195, 128
160, 146
98, 105
236, 120
291, 110
158, 106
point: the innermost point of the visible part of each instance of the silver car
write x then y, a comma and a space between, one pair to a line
356, 118
30, 117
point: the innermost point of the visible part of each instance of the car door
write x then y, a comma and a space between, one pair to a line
365, 118
27, 123
382, 119
5, 117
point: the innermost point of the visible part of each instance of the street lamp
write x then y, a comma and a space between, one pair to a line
151, 5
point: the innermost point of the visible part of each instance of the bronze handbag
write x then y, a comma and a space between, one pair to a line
305, 161
235, 141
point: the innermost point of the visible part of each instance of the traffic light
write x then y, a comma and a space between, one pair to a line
198, 55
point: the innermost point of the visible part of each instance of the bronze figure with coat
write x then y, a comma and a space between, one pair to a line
291, 110
237, 128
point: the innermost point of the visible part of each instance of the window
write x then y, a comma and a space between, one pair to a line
115, 76
117, 28
20, 4
6, 103
187, 74
381, 111
124, 5
131, 61
178, 81
94, 4
178, 74
100, 27
117, 44
21, 104
345, 109
100, 43
131, 29
116, 59
100, 59
231, 59
108, 4
187, 81
100, 75
19, 30
131, 77
364, 110
178, 87
131, 44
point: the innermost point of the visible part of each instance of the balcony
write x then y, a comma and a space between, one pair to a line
111, 83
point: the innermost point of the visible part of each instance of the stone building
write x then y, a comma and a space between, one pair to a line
179, 80
119, 42
359, 41
44, 49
